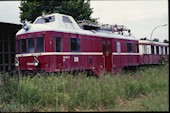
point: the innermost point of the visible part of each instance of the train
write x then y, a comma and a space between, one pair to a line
57, 43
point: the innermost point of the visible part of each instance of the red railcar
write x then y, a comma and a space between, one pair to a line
55, 43
153, 52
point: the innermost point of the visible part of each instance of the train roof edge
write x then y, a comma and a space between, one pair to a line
152, 42
64, 23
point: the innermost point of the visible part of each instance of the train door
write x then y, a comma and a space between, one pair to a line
51, 57
56, 60
107, 53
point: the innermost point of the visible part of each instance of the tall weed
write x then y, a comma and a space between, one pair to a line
65, 92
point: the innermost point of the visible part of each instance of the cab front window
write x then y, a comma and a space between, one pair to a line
31, 45
18, 46
45, 20
23, 45
39, 44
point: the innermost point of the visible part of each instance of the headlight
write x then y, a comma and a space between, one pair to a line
16, 62
36, 62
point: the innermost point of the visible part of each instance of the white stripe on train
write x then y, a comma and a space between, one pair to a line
71, 53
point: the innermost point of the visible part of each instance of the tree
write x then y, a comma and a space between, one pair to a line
78, 9
166, 41
143, 38
155, 40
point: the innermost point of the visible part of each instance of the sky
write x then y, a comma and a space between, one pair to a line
141, 16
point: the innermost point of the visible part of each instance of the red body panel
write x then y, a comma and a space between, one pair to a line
92, 57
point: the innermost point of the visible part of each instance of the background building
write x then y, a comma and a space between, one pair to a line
7, 45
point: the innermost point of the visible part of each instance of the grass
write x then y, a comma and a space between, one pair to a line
143, 90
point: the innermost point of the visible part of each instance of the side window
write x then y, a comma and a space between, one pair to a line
18, 46
157, 50
58, 44
109, 47
68, 23
75, 45
162, 50
145, 49
165, 50
66, 19
104, 46
45, 20
137, 48
31, 45
118, 47
39, 44
129, 47
23, 45
152, 49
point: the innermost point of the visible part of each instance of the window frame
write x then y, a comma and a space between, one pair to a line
77, 46
166, 50
18, 46
44, 20
56, 45
109, 46
152, 50
118, 47
38, 46
104, 46
25, 46
137, 48
157, 50
129, 47
65, 19
162, 50
33, 44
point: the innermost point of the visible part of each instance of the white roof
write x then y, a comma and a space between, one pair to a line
152, 42
59, 25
